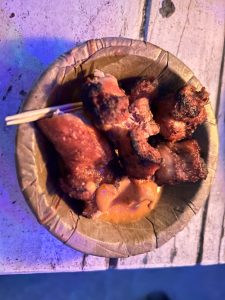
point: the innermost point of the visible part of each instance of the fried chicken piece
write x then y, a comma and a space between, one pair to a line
88, 158
181, 162
144, 88
128, 127
179, 115
105, 101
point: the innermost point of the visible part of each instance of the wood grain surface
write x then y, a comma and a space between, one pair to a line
195, 32
186, 34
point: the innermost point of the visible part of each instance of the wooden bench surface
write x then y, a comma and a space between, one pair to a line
32, 35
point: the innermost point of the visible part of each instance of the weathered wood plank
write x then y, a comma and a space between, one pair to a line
195, 34
31, 40
94, 263
214, 239
200, 46
36, 34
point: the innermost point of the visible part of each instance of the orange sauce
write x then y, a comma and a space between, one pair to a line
128, 202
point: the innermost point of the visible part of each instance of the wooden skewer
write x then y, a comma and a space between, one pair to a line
42, 111
34, 115
37, 117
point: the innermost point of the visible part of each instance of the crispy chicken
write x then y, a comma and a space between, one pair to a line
181, 162
179, 114
91, 169
127, 127
144, 88
88, 158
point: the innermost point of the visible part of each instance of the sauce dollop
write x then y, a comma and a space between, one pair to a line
127, 201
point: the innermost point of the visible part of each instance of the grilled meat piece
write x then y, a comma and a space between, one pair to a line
88, 158
179, 115
144, 88
181, 162
142, 117
128, 127
189, 102
105, 101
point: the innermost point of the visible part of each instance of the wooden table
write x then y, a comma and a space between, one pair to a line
32, 34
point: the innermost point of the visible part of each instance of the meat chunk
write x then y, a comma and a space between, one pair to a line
141, 117
128, 127
181, 162
105, 101
144, 88
179, 115
87, 156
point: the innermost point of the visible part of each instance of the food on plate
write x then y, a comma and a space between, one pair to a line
181, 162
128, 127
88, 158
144, 88
122, 147
179, 114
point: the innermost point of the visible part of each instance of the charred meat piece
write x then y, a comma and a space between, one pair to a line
105, 101
181, 162
139, 159
179, 115
128, 127
144, 88
142, 117
189, 103
144, 127
142, 124
170, 128
87, 157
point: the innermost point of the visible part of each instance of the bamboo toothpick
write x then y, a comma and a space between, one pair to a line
34, 115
